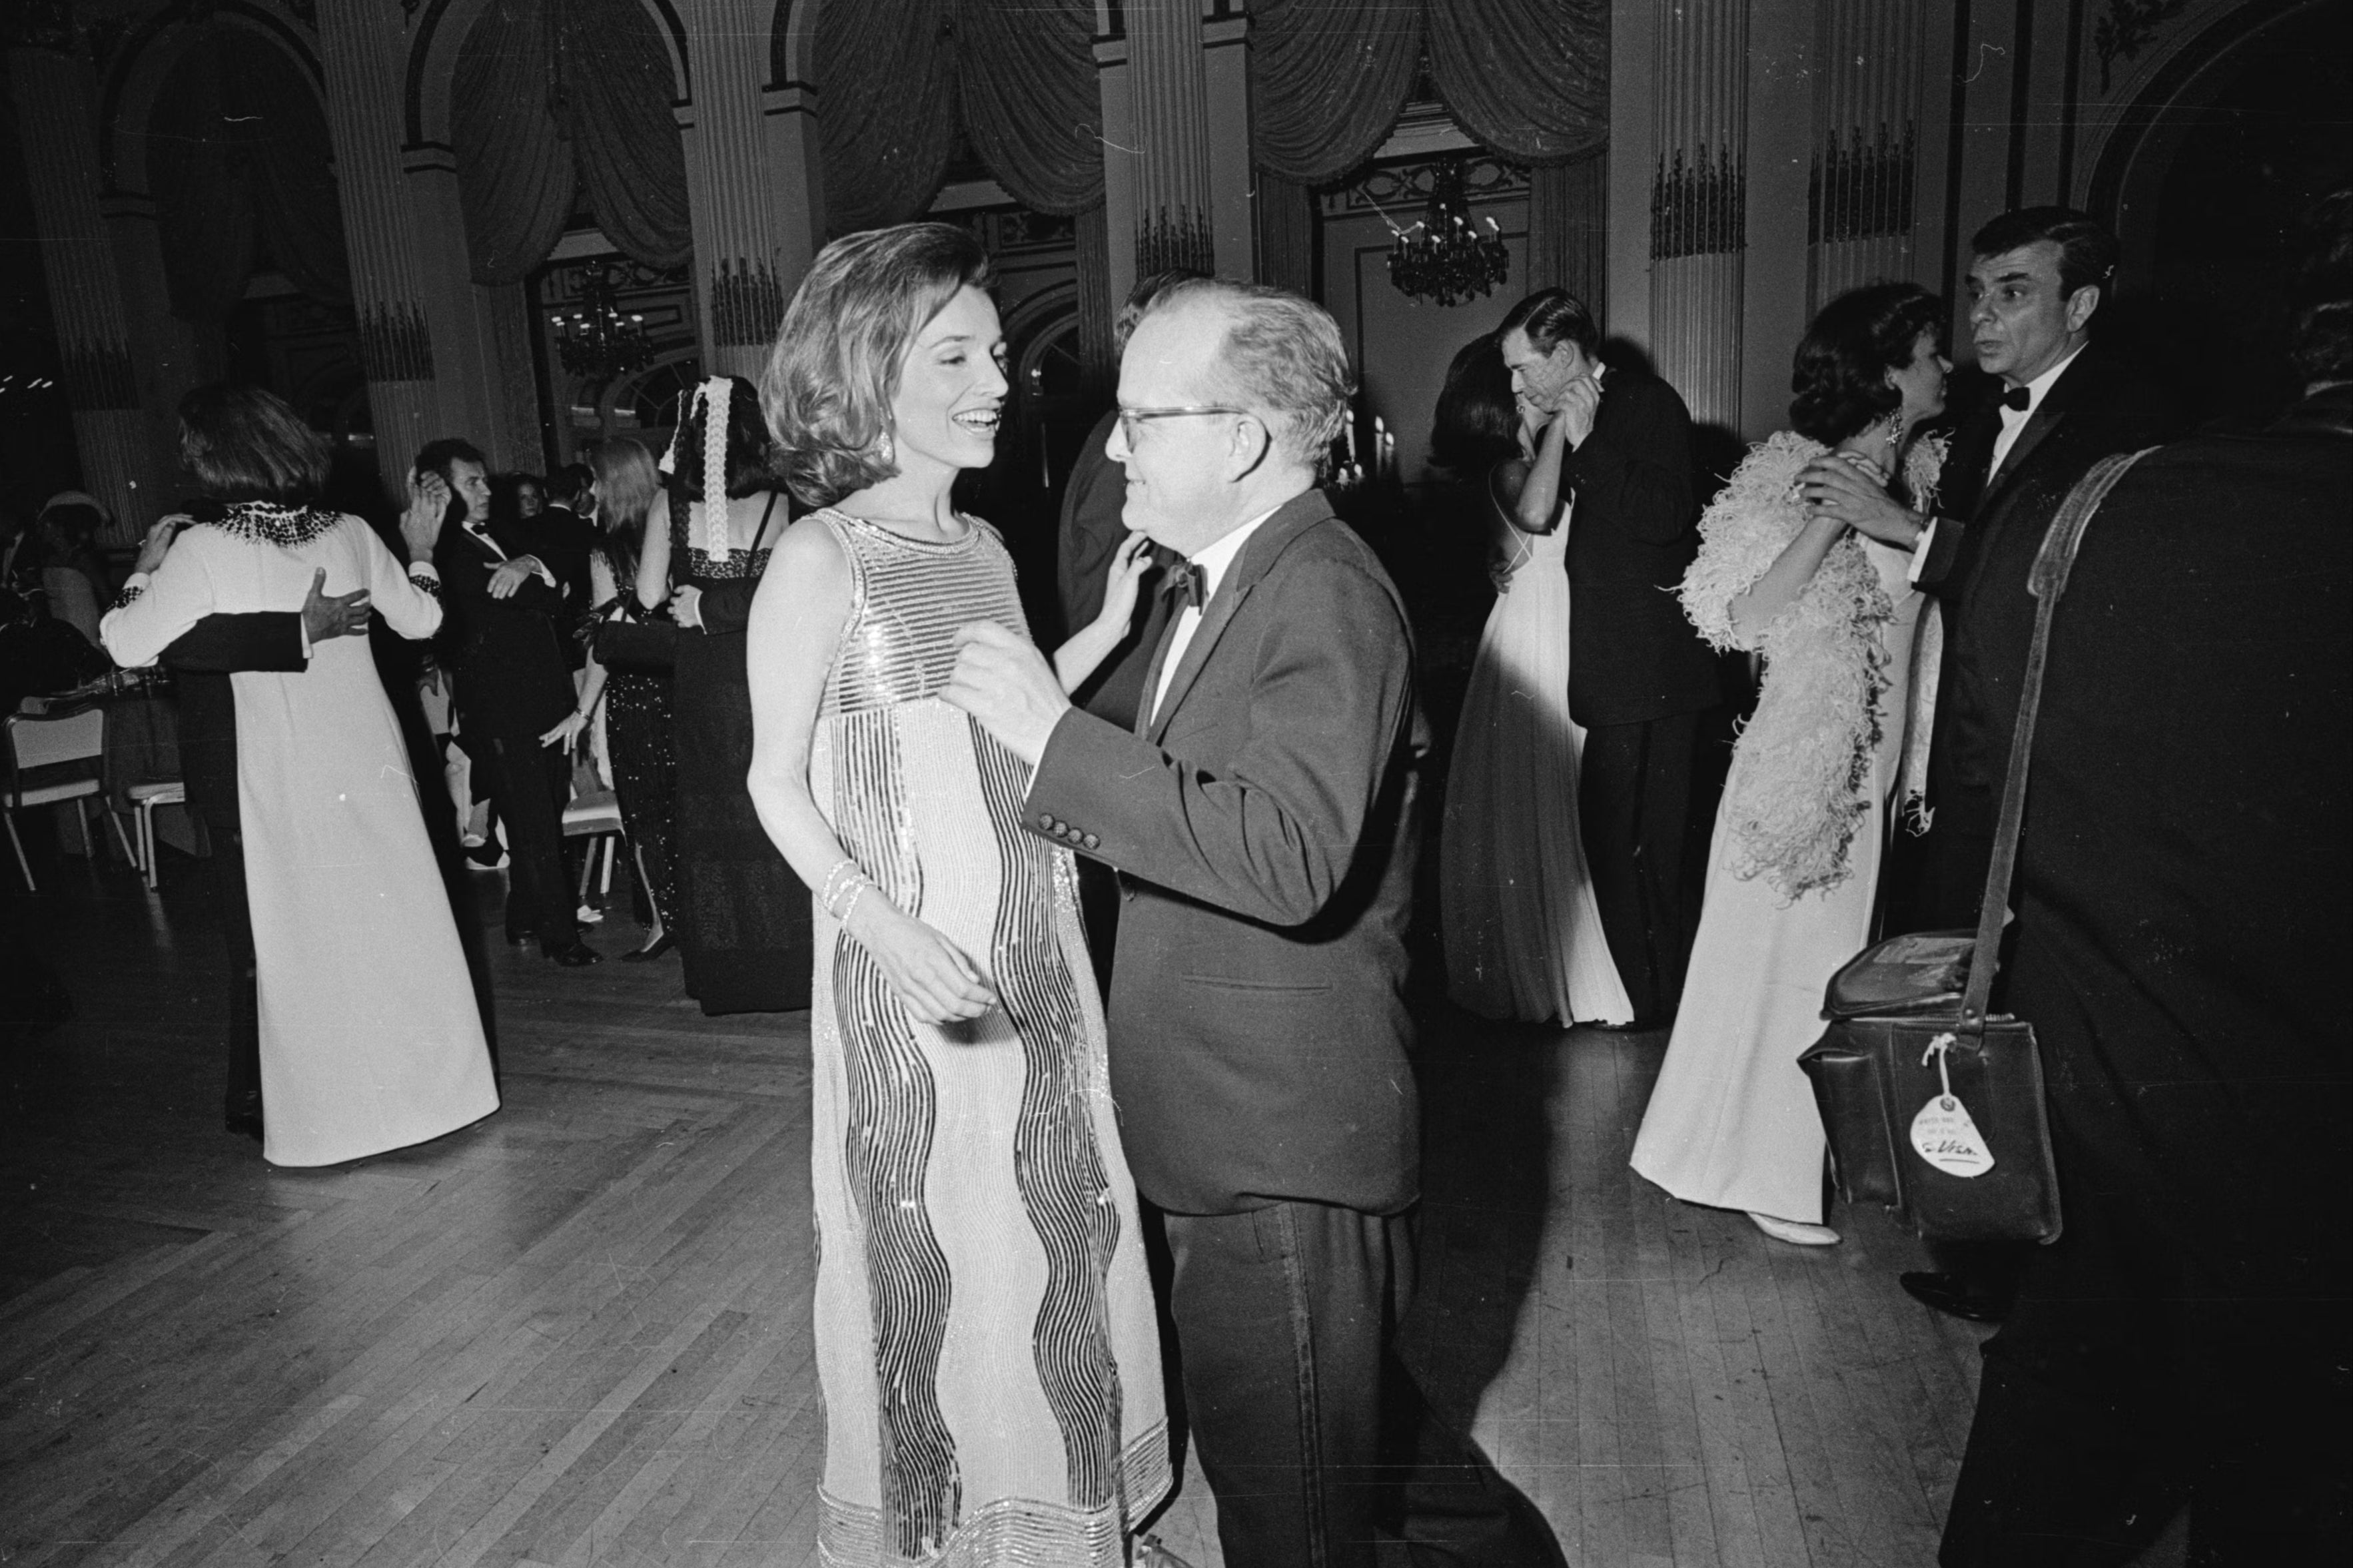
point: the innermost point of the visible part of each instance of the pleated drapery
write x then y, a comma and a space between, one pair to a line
239, 160
543, 118
899, 77
1529, 79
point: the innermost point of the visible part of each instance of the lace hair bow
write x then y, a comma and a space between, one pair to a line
711, 398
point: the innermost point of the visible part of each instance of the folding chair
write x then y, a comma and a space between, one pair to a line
595, 816
54, 758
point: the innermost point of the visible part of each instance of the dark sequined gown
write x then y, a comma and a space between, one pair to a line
985, 1335
742, 916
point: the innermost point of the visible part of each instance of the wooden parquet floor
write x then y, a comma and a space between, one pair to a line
577, 1332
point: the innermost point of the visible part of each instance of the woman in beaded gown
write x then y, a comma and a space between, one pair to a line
743, 919
985, 1343
629, 503
370, 1037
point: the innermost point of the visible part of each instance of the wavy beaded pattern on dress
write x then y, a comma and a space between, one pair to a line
971, 1193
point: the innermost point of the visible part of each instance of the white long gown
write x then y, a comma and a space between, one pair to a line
370, 1037
1731, 1121
1524, 938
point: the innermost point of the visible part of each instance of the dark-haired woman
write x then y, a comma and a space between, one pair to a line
1523, 936
370, 1037
624, 491
1838, 735
742, 918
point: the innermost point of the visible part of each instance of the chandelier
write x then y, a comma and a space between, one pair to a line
596, 338
1444, 256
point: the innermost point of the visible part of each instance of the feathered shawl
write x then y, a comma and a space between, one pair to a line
1798, 791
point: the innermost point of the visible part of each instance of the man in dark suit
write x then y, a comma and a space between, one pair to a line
1640, 678
2036, 281
2064, 402
2184, 896
1262, 818
516, 705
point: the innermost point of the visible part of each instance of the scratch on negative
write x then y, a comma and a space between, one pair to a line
1983, 50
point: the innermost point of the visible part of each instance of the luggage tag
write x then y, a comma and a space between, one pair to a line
1943, 1134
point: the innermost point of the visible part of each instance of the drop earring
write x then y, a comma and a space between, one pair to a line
887, 450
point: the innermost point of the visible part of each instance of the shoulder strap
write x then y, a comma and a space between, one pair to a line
2047, 582
760, 535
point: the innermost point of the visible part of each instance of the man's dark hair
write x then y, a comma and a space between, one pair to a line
1477, 423
241, 443
2087, 251
1839, 375
2320, 292
1551, 317
436, 457
1142, 298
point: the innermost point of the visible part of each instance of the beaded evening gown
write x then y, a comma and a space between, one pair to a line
742, 916
645, 773
986, 1342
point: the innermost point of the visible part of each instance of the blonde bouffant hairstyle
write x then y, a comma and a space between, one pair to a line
834, 372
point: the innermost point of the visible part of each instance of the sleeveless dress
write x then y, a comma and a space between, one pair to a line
637, 722
986, 1342
742, 916
1731, 1122
1523, 932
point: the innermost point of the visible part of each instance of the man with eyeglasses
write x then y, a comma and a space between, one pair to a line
1262, 818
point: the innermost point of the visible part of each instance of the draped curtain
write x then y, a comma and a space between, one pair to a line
542, 116
238, 159
1528, 80
900, 77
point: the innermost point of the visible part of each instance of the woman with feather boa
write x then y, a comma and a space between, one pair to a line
1839, 735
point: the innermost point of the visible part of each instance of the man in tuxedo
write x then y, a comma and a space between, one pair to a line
1262, 818
517, 707
2184, 896
1640, 678
2037, 279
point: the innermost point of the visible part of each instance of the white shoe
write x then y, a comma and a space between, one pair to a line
1795, 1234
1150, 1553
588, 914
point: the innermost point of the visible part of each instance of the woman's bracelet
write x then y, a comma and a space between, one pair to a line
856, 889
834, 882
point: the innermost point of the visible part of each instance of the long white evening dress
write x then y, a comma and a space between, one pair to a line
1524, 938
370, 1037
1731, 1122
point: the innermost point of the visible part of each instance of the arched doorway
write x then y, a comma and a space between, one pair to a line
2224, 153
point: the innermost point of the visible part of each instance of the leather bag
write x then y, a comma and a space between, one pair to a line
1934, 1107
636, 645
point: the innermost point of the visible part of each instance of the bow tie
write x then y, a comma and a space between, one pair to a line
1185, 584
2018, 397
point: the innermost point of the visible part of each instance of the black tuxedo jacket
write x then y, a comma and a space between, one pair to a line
1989, 529
2186, 876
1265, 827
509, 654
1633, 655
201, 660
1093, 530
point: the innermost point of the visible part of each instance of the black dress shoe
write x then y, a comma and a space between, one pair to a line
517, 938
651, 950
1950, 1293
575, 955
243, 1115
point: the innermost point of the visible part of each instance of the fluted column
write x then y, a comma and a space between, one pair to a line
56, 124
363, 50
731, 182
1858, 209
1170, 89
1699, 203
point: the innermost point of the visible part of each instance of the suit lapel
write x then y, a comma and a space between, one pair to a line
1293, 518
2081, 382
2038, 430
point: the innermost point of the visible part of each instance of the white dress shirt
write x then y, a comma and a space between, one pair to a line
1213, 561
2013, 420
